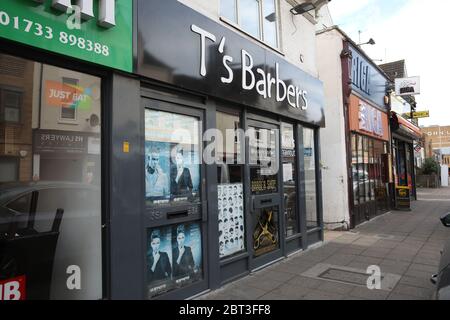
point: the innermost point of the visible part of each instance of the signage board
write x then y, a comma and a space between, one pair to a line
13, 289
101, 34
403, 198
367, 80
417, 115
407, 86
193, 52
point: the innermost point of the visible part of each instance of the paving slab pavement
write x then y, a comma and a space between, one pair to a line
404, 245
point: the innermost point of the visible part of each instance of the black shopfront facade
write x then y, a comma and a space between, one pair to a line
209, 159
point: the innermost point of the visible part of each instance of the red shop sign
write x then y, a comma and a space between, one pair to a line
13, 289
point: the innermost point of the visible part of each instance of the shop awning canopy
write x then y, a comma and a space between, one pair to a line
403, 127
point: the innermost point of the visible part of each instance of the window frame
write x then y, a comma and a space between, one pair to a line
260, 38
14, 90
75, 118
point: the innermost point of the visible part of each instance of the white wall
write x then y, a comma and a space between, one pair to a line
297, 34
333, 151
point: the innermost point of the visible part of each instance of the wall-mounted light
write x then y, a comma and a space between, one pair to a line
308, 6
371, 42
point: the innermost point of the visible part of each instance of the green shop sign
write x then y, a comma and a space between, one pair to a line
98, 31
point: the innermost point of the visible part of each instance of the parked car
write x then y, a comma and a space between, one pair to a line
442, 278
45, 227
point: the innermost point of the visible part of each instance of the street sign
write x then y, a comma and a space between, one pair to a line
407, 86
417, 115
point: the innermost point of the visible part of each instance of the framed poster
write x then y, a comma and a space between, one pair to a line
174, 257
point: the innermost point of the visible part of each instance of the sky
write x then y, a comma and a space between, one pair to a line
410, 30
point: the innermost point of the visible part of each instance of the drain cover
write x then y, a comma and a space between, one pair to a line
352, 277
358, 277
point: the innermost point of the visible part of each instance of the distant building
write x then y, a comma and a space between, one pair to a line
436, 138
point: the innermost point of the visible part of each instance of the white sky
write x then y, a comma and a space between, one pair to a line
416, 31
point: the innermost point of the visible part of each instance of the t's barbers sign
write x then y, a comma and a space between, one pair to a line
196, 53
101, 34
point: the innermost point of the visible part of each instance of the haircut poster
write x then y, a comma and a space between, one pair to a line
172, 172
231, 219
174, 257
172, 158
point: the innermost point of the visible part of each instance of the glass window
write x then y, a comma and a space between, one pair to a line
366, 168
230, 189
172, 158
372, 170
361, 176
249, 16
10, 105
289, 178
228, 9
263, 161
56, 247
310, 178
355, 175
270, 22
257, 17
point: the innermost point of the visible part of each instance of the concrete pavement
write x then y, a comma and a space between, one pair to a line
405, 245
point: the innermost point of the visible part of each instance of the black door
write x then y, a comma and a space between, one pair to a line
264, 214
175, 218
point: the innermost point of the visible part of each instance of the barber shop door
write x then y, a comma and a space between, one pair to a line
264, 190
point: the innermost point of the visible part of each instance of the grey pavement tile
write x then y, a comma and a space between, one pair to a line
430, 262
393, 266
275, 296
245, 293
306, 282
418, 274
276, 275
340, 259
417, 282
423, 267
293, 291
368, 260
388, 244
352, 249
335, 287
421, 293
359, 265
376, 252
322, 295
361, 292
263, 283
296, 269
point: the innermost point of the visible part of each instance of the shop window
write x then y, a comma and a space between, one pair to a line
10, 105
52, 235
289, 160
256, 17
361, 172
230, 187
355, 172
310, 178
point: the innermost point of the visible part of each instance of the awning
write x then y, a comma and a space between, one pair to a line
403, 127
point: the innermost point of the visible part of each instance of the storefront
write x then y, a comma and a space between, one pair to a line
404, 133
193, 168
369, 143
369, 136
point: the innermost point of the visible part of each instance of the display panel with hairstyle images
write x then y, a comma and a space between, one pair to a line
174, 257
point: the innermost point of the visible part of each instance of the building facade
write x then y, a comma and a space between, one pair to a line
356, 155
156, 150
